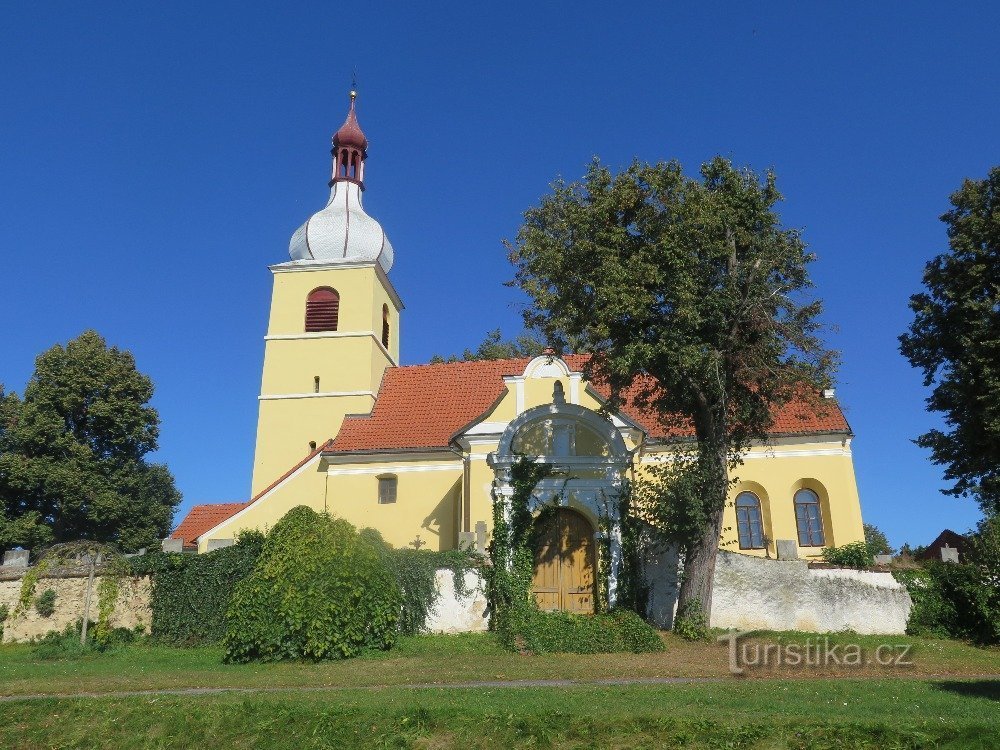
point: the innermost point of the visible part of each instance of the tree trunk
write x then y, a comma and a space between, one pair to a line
699, 561
86, 600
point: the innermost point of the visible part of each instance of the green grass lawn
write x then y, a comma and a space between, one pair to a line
840, 714
362, 702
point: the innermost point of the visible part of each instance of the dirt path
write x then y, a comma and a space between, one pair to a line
441, 686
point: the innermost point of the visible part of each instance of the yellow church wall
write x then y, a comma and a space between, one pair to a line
341, 362
355, 285
775, 475
286, 426
428, 497
348, 363
307, 486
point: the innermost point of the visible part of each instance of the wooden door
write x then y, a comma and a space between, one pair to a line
565, 563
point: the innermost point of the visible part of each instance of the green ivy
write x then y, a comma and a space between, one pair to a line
45, 603
318, 591
515, 616
416, 573
190, 593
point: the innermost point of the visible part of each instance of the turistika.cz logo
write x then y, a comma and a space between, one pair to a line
747, 653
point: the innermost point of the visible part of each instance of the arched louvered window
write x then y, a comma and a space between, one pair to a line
385, 326
749, 524
322, 309
809, 519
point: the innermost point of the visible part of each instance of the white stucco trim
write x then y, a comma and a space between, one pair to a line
389, 457
395, 469
322, 394
574, 387
264, 496
546, 366
485, 428
755, 454
333, 335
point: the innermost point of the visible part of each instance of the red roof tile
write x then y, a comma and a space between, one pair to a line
423, 406
201, 518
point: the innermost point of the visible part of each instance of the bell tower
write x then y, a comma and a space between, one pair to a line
334, 323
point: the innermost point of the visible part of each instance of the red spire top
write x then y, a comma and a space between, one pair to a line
349, 149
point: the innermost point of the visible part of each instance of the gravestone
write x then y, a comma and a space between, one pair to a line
949, 554
15, 558
466, 540
172, 545
787, 549
883, 559
214, 544
481, 537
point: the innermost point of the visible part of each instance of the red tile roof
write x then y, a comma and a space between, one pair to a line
201, 518
423, 406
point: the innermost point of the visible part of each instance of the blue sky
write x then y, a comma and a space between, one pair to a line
156, 157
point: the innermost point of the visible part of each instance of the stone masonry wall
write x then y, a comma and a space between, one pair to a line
131, 610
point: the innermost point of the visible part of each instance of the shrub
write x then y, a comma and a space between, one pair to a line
318, 591
190, 593
562, 632
953, 600
4, 613
691, 623
65, 643
45, 603
854, 555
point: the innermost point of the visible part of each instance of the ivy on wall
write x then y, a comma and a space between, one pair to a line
515, 616
190, 593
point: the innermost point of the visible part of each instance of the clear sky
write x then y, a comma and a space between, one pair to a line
156, 157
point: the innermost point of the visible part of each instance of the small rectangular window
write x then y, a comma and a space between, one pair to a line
386, 490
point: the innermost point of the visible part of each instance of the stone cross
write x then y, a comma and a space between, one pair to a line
418, 542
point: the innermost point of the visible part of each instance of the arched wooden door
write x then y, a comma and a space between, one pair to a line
565, 563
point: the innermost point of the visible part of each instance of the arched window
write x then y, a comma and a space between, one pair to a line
809, 519
749, 524
387, 489
322, 309
385, 326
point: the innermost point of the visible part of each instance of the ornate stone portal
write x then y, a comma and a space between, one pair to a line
588, 458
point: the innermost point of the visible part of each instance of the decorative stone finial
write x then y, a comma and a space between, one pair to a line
558, 395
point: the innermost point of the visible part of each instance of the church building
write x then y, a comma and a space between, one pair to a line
420, 452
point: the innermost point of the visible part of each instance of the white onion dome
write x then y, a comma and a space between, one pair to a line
342, 230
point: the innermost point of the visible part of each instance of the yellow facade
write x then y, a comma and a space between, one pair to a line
444, 491
312, 380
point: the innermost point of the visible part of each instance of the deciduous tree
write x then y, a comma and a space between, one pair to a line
72, 452
691, 295
955, 340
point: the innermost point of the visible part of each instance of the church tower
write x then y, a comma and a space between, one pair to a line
334, 324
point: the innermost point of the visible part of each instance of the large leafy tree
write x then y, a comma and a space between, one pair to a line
691, 296
72, 452
955, 340
495, 346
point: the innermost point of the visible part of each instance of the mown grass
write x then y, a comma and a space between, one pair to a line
439, 659
753, 714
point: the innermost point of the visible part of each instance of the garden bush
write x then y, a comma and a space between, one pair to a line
953, 600
318, 591
540, 632
854, 555
190, 593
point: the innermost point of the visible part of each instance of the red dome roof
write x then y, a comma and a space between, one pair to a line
350, 133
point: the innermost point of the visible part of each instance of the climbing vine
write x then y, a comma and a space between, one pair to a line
90, 557
515, 616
